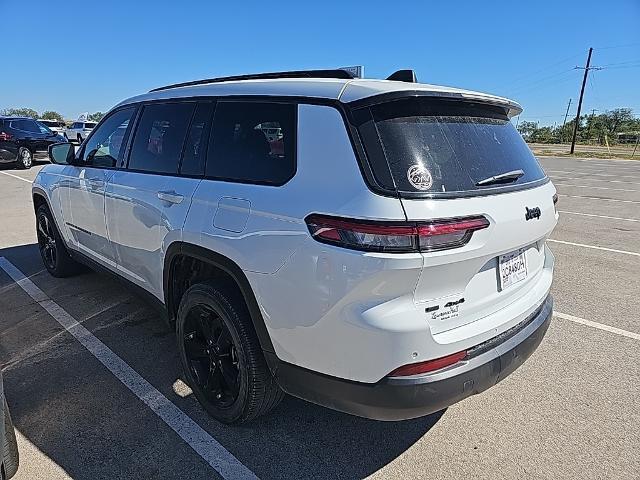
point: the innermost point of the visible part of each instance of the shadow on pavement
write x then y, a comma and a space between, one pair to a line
80, 416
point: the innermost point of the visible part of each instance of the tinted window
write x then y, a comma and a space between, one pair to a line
105, 147
446, 146
253, 142
76, 125
25, 125
90, 125
195, 149
159, 137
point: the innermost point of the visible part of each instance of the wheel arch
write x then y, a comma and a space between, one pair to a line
39, 198
178, 250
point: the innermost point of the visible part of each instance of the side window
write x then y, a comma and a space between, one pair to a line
106, 146
26, 126
159, 137
253, 142
74, 125
195, 148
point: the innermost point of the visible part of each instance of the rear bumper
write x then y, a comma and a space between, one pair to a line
400, 398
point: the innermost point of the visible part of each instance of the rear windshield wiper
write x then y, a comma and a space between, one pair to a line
501, 178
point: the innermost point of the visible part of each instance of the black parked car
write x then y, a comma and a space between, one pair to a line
21, 138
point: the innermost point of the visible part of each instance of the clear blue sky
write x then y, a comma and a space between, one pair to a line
86, 56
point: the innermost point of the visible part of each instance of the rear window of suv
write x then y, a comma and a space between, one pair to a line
442, 147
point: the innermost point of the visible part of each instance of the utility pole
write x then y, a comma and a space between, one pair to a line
567, 113
584, 82
565, 120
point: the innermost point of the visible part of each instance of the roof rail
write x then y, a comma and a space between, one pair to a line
271, 75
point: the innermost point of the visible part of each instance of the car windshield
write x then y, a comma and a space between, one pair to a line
44, 128
436, 146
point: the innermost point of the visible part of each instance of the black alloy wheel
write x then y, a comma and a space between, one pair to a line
212, 356
47, 241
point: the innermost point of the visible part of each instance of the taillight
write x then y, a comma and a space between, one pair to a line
394, 237
5, 136
428, 366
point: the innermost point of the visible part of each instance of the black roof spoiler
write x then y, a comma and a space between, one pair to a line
404, 76
340, 74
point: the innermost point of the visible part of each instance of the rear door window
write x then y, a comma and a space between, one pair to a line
253, 142
442, 147
160, 136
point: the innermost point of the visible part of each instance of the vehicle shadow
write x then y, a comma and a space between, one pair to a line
81, 417
39, 158
315, 442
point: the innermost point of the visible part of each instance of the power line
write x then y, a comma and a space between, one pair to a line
618, 46
543, 69
544, 81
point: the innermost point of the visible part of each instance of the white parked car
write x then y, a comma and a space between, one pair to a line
56, 126
376, 247
79, 130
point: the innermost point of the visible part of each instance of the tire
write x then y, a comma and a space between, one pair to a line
25, 158
65, 136
79, 138
207, 307
53, 251
11, 459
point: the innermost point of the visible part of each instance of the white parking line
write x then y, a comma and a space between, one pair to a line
563, 178
599, 198
590, 174
600, 326
594, 247
228, 466
16, 176
595, 188
599, 216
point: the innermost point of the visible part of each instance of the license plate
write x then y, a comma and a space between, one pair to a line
513, 268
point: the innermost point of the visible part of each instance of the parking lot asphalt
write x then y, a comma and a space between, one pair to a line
571, 411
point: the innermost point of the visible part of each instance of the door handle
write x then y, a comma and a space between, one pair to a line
170, 196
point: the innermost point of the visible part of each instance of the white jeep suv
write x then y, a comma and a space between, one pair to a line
79, 130
373, 246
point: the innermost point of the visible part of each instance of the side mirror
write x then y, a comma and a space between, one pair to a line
62, 153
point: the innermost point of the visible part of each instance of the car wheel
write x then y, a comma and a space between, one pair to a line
54, 253
25, 158
79, 138
221, 355
65, 136
11, 458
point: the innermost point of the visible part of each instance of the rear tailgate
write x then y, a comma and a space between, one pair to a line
462, 285
453, 159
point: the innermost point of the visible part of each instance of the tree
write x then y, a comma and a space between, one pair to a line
51, 115
528, 130
20, 112
96, 117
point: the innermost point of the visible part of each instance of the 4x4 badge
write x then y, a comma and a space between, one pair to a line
532, 213
419, 177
